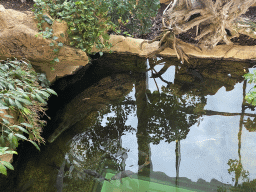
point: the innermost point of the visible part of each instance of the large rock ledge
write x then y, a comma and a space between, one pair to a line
130, 45
17, 39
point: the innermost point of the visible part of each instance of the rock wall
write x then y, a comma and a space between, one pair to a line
18, 39
165, 1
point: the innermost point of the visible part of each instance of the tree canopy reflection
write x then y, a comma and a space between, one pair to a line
171, 115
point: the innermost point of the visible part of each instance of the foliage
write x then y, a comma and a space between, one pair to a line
250, 125
248, 186
3, 164
251, 96
90, 20
237, 168
134, 15
23, 95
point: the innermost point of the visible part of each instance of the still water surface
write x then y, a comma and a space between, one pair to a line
171, 127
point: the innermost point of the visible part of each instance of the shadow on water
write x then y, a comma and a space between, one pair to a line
145, 125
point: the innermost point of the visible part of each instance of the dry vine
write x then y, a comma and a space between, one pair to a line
215, 20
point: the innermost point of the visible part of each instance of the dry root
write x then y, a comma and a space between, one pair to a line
216, 21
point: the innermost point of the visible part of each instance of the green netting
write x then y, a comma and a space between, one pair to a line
134, 184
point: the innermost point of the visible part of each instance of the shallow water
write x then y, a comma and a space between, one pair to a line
174, 128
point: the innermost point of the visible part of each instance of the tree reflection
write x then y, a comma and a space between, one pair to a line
235, 165
171, 114
250, 125
101, 143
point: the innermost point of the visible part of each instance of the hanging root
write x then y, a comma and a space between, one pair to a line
168, 39
151, 41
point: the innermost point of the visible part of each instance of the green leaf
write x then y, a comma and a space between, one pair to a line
15, 141
60, 44
20, 136
20, 128
3, 149
40, 99
27, 125
76, 37
11, 87
56, 59
54, 38
34, 144
51, 91
5, 121
11, 152
18, 104
47, 19
11, 102
3, 169
106, 36
6, 66
15, 62
72, 28
55, 50
10, 136
62, 35
2, 141
26, 97
25, 101
4, 107
45, 94
8, 165
254, 101
26, 111
9, 116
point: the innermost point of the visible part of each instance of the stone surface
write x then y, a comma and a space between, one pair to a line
130, 45
17, 39
165, 1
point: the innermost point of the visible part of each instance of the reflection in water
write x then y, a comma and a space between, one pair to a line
60, 177
151, 130
236, 165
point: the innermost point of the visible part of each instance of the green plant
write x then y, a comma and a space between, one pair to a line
3, 164
251, 96
85, 28
134, 15
90, 20
48, 34
23, 95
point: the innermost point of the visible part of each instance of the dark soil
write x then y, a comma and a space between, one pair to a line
156, 23
17, 5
